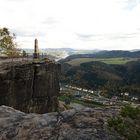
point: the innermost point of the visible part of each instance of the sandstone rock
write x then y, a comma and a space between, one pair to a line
30, 87
67, 125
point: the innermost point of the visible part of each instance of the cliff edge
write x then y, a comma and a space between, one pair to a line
30, 87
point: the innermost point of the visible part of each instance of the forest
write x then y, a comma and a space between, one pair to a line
112, 78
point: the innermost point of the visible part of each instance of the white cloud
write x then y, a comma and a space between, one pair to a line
80, 24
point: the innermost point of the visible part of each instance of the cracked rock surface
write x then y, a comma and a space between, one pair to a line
30, 87
84, 124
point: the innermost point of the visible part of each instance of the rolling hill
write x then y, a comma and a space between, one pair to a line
112, 75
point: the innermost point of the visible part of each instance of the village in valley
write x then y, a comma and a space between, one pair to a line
93, 98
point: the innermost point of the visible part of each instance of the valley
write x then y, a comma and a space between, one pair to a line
111, 75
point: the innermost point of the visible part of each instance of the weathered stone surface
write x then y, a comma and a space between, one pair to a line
68, 125
30, 87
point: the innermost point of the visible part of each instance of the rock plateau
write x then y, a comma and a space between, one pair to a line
83, 124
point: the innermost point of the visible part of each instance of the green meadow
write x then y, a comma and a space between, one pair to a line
118, 60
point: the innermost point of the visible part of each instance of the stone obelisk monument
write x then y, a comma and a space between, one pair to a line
36, 51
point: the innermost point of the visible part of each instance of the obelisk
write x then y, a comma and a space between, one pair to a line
36, 52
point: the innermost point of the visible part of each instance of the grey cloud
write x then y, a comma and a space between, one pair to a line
85, 35
117, 36
123, 36
21, 33
50, 20
90, 37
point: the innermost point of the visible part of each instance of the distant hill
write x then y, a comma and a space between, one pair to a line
105, 54
69, 51
60, 53
69, 54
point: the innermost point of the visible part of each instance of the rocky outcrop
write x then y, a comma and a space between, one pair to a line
85, 124
30, 87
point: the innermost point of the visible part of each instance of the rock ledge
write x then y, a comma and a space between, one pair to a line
85, 124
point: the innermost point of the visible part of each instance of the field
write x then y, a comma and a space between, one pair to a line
119, 60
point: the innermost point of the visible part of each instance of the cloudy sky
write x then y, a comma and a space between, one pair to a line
78, 24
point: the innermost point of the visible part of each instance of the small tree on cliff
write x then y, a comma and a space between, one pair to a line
7, 43
24, 54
